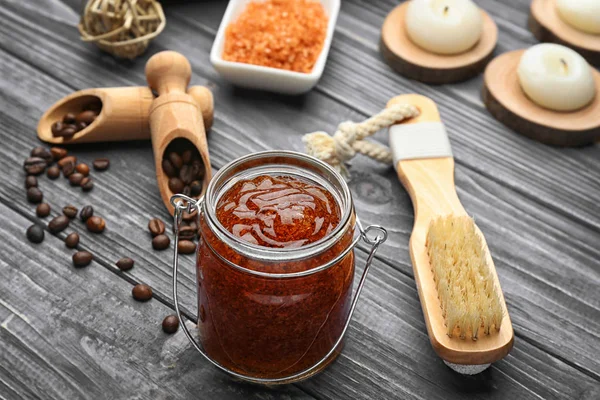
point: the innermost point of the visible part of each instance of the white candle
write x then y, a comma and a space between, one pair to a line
444, 26
556, 77
580, 14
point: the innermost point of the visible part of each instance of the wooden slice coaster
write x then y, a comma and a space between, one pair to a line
416, 63
547, 26
506, 101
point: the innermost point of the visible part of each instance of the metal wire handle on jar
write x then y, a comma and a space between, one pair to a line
183, 203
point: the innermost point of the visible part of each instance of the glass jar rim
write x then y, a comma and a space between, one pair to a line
285, 162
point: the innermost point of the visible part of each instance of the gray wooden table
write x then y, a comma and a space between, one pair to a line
69, 334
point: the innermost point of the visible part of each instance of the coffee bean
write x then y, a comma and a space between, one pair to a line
75, 179
161, 242
68, 169
198, 168
35, 234
176, 185
186, 216
34, 165
101, 164
87, 184
58, 153
53, 172
187, 232
156, 227
31, 181
170, 324
72, 240
67, 159
67, 132
141, 292
86, 213
193, 226
186, 174
35, 195
186, 246
196, 188
95, 224
42, 210
70, 211
86, 117
69, 118
81, 126
186, 191
168, 169
125, 264
58, 224
175, 160
42, 153
82, 258
83, 169
57, 128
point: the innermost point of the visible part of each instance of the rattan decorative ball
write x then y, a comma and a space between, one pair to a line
122, 27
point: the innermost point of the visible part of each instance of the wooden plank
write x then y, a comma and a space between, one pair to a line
69, 333
389, 314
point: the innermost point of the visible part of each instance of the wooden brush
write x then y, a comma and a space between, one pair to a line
465, 313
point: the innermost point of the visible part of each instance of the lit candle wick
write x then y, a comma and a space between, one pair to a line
446, 8
564, 65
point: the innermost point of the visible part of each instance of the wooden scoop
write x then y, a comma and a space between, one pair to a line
124, 115
174, 114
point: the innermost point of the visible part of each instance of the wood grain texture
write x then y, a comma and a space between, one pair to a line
541, 219
416, 63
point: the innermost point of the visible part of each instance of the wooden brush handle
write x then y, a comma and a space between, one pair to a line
174, 114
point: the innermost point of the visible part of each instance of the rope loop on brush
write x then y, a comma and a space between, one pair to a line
349, 137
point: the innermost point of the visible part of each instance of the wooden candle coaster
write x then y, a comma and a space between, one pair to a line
547, 26
416, 63
506, 101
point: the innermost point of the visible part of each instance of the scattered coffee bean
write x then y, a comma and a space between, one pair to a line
57, 129
35, 234
75, 179
69, 118
70, 211
42, 210
68, 169
125, 264
82, 258
58, 224
168, 168
42, 153
186, 246
193, 226
35, 195
141, 292
68, 159
170, 324
101, 164
95, 224
34, 165
83, 169
53, 172
156, 227
86, 117
196, 188
31, 181
86, 213
72, 240
58, 153
161, 242
187, 233
87, 184
176, 160
176, 185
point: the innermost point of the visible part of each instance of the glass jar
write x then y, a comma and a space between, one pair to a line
274, 315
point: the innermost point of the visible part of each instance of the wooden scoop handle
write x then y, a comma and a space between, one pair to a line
174, 114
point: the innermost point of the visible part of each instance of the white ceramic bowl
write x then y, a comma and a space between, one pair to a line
267, 78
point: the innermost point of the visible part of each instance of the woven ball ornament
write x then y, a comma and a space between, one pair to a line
123, 28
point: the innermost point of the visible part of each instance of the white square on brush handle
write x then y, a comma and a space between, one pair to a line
419, 140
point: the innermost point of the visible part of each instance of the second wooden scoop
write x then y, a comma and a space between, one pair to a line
174, 115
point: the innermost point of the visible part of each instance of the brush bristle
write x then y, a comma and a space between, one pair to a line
468, 296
